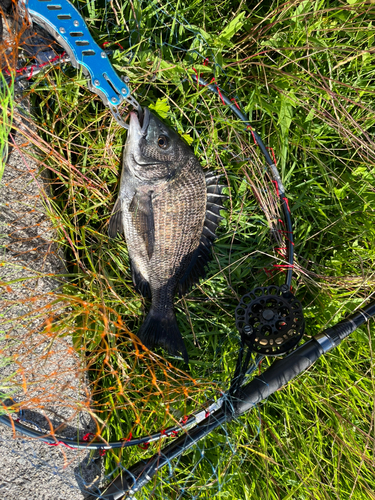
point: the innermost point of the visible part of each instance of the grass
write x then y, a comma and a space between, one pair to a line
6, 99
304, 73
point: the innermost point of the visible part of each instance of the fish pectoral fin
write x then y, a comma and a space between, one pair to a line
143, 218
115, 222
141, 284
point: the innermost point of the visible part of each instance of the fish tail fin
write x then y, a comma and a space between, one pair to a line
161, 329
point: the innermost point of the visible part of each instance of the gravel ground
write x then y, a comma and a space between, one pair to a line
30, 469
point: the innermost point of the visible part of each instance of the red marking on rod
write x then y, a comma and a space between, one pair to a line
287, 204
22, 70
217, 87
59, 56
184, 420
284, 231
144, 446
252, 133
169, 433
261, 361
87, 436
276, 188
235, 103
207, 414
41, 65
61, 442
279, 250
197, 77
221, 97
273, 155
116, 43
285, 234
129, 438
269, 272
56, 58
32, 71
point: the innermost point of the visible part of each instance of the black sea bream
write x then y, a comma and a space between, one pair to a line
168, 210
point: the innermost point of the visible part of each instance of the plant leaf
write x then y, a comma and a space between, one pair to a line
231, 29
161, 107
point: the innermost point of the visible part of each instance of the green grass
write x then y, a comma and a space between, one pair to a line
6, 118
304, 73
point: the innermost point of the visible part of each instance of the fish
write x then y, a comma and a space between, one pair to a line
168, 209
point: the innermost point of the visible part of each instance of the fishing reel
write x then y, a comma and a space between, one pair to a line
270, 320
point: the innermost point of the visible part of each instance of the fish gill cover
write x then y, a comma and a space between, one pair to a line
70, 312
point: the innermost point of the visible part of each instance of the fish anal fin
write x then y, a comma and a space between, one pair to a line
143, 218
209, 229
213, 216
216, 198
115, 225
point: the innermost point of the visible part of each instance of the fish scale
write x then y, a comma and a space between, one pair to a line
182, 217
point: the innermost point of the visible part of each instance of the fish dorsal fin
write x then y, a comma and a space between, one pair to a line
143, 218
202, 255
115, 222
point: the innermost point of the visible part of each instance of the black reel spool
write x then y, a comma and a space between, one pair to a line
270, 320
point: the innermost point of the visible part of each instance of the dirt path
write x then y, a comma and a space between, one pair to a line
43, 377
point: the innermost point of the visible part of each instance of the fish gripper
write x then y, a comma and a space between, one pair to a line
62, 21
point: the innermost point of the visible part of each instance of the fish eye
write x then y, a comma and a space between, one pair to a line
163, 142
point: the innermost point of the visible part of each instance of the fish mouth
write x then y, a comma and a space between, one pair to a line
140, 120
